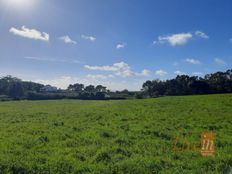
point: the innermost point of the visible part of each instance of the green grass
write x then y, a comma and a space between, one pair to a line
130, 136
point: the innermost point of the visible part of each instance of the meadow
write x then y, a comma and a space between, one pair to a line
123, 136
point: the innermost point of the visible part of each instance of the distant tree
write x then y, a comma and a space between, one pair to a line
15, 90
90, 89
10, 79
148, 88
200, 87
154, 88
76, 87
125, 91
139, 95
11, 86
31, 86
219, 82
100, 95
100, 88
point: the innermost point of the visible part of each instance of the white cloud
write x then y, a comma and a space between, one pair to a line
219, 61
121, 69
161, 72
201, 34
101, 68
193, 61
180, 38
144, 72
67, 39
179, 72
30, 33
197, 74
99, 76
231, 40
121, 45
90, 38
175, 39
46, 59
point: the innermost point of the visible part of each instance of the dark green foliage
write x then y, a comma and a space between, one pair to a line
219, 82
139, 95
17, 89
76, 87
14, 88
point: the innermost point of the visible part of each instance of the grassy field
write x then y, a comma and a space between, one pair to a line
130, 136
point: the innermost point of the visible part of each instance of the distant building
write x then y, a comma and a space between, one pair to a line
48, 88
107, 95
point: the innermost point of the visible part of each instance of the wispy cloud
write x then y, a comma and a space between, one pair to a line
161, 72
30, 33
99, 76
178, 72
67, 40
46, 59
101, 68
201, 34
121, 45
219, 61
121, 69
197, 74
90, 38
193, 61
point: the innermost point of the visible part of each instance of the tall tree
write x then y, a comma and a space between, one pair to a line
90, 89
76, 87
100, 88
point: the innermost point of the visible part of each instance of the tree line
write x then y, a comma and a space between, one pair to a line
219, 82
16, 89
12, 88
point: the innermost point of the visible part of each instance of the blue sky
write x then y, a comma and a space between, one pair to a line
119, 44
